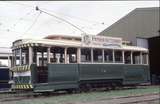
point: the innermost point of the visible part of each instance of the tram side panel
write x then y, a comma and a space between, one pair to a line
136, 74
101, 74
4, 78
60, 77
73, 76
117, 74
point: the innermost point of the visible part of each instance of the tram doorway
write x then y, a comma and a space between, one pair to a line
154, 56
55, 55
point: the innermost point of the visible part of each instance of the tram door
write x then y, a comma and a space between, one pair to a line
154, 56
40, 59
56, 57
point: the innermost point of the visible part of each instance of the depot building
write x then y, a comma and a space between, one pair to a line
140, 27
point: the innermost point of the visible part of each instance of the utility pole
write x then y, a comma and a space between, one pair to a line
37, 9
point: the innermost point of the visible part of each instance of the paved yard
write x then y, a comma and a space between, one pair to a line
96, 97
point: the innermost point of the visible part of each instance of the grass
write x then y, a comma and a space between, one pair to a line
90, 96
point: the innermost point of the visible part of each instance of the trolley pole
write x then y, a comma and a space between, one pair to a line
37, 9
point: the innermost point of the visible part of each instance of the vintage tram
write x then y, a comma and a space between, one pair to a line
68, 63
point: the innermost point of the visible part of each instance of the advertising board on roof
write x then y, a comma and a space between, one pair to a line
102, 41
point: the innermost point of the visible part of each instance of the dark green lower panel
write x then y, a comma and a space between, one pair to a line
129, 74
136, 74
67, 76
46, 87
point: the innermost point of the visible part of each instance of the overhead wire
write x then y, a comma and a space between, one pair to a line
91, 24
34, 22
17, 3
6, 30
11, 31
20, 19
68, 22
73, 17
29, 6
70, 16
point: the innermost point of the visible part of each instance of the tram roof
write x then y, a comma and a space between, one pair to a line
62, 37
68, 43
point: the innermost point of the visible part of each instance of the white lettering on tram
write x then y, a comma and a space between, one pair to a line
92, 40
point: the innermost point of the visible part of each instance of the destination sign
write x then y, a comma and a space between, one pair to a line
92, 40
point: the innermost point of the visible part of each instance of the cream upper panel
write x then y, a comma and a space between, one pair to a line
72, 43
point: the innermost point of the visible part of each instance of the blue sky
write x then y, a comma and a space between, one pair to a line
20, 19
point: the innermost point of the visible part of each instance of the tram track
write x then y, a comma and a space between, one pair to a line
122, 100
141, 101
132, 99
139, 98
25, 95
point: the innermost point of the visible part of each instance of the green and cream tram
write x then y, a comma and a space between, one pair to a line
63, 63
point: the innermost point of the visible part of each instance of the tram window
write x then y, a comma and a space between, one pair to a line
41, 63
144, 58
17, 52
58, 54
53, 58
24, 56
25, 59
58, 58
136, 58
38, 56
72, 58
45, 59
61, 58
85, 55
97, 55
108, 56
127, 57
71, 55
118, 56
17, 61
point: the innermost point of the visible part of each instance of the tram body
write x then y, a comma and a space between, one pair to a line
55, 64
5, 73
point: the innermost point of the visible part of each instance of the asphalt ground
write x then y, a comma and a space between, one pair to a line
140, 95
